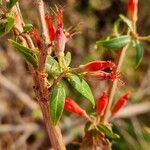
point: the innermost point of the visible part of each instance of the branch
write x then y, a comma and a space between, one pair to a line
18, 92
133, 110
41, 89
19, 128
45, 35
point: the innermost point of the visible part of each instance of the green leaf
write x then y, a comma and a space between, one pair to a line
139, 52
81, 86
12, 3
9, 24
2, 29
57, 100
27, 27
51, 66
27, 53
115, 43
68, 58
126, 21
107, 131
6, 25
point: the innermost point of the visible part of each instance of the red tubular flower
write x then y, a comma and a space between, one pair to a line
107, 76
36, 38
72, 106
101, 104
97, 65
50, 26
120, 103
132, 9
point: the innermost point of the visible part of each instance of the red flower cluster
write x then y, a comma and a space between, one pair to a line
120, 103
57, 34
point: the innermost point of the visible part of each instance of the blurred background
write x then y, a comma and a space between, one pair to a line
21, 125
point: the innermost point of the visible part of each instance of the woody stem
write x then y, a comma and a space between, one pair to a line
54, 132
39, 78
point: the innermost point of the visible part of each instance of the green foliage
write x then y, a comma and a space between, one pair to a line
12, 3
9, 24
68, 58
27, 53
81, 86
6, 26
57, 100
115, 43
126, 21
139, 52
107, 131
52, 67
27, 27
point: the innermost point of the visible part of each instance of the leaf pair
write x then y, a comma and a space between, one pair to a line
52, 67
58, 95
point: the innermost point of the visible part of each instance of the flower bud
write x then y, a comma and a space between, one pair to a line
101, 104
120, 103
72, 106
51, 29
36, 38
132, 9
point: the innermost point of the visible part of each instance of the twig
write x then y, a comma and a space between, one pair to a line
113, 86
133, 110
19, 128
18, 92
45, 36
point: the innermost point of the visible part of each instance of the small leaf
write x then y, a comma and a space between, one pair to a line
108, 132
81, 86
52, 67
2, 29
27, 27
68, 58
126, 21
57, 100
1, 2
6, 25
115, 43
27, 53
139, 52
12, 3
9, 24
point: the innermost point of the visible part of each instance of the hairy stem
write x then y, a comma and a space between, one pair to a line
41, 89
45, 36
